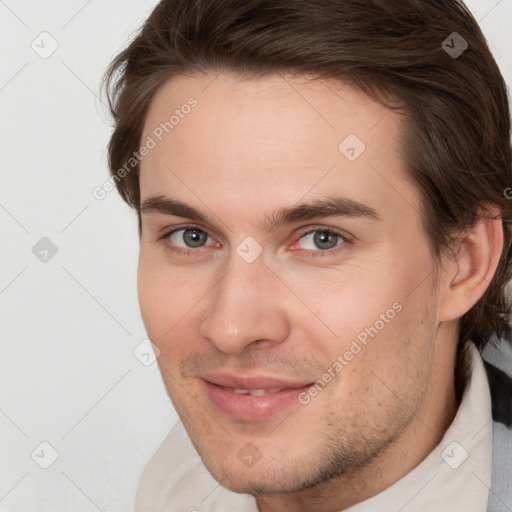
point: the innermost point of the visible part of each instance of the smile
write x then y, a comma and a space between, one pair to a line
252, 403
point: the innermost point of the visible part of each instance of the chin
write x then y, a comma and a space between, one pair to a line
264, 477
249, 483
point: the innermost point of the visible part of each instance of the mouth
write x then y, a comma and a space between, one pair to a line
252, 398
253, 392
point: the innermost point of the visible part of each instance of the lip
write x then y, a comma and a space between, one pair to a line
251, 407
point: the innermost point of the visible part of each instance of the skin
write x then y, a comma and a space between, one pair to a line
250, 147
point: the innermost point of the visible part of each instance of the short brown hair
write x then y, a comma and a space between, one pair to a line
456, 137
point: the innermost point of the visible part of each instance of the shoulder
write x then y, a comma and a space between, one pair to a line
497, 357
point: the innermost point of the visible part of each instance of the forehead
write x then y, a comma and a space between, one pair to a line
301, 110
276, 138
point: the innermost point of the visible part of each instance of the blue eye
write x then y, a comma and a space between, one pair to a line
322, 239
316, 242
191, 237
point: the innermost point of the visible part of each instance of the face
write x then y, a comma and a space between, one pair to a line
285, 277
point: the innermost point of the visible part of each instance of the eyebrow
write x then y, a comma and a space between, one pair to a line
329, 207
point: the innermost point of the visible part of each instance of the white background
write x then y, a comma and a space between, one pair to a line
68, 327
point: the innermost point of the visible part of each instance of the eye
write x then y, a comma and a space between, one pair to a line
318, 242
191, 237
320, 239
187, 237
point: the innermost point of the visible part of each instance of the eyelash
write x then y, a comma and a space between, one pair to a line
315, 254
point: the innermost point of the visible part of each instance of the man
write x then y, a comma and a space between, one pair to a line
324, 247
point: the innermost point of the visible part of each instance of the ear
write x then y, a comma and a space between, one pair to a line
470, 268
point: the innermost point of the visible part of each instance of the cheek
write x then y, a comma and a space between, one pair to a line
166, 296
368, 311
349, 300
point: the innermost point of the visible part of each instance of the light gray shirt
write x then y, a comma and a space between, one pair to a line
454, 477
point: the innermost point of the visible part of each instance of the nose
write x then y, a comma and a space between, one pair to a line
248, 305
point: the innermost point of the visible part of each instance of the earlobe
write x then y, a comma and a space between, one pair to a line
471, 268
